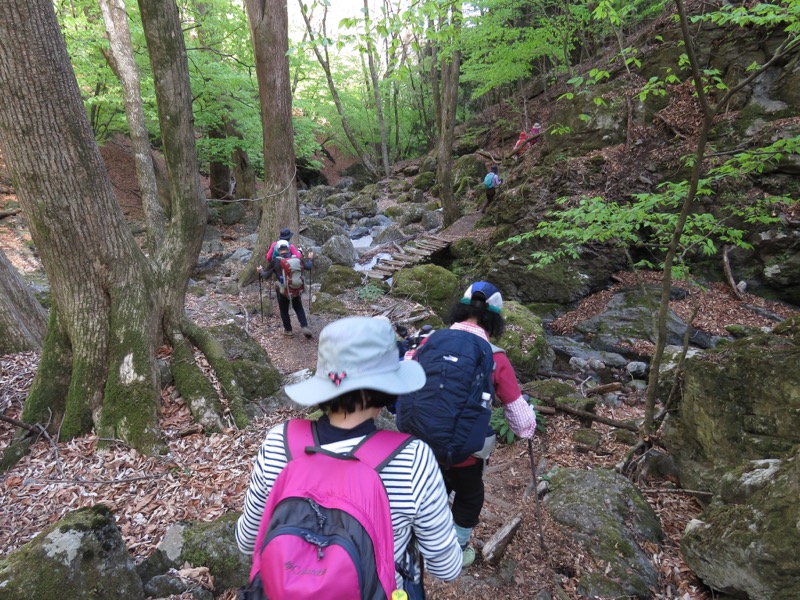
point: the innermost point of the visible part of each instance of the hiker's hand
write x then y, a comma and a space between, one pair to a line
310, 256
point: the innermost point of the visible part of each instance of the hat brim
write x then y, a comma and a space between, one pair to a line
409, 377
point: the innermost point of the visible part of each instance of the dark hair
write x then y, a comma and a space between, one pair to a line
494, 168
492, 322
350, 402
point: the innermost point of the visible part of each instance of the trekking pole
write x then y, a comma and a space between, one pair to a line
535, 492
260, 297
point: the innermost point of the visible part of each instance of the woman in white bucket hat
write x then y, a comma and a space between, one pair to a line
357, 375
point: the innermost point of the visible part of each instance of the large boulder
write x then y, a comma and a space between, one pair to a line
81, 557
429, 285
739, 402
610, 521
524, 340
340, 250
509, 268
745, 544
318, 195
320, 230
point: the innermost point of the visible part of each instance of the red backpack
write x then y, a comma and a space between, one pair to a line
326, 531
293, 283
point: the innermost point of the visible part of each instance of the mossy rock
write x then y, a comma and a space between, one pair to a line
550, 389
340, 279
424, 181
80, 557
213, 545
325, 303
429, 285
321, 230
610, 520
524, 340
254, 372
393, 211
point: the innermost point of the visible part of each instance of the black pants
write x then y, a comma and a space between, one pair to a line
490, 194
467, 483
297, 304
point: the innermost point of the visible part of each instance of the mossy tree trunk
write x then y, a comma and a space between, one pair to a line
112, 305
22, 319
269, 29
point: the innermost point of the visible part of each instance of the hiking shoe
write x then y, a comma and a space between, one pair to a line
467, 557
288, 333
306, 332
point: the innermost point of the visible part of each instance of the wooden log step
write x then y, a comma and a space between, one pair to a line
375, 275
405, 259
417, 251
433, 246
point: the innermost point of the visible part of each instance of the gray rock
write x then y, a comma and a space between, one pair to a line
745, 544
340, 250
81, 557
609, 519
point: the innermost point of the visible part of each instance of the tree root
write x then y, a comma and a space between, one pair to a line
219, 362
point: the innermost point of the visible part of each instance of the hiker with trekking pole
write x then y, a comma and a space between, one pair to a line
289, 272
453, 418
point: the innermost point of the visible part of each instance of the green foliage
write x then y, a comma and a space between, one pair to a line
503, 430
370, 293
650, 219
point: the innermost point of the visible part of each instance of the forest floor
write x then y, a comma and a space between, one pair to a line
205, 476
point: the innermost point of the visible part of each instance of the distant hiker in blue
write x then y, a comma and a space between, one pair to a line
491, 182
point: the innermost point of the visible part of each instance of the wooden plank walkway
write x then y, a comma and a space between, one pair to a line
413, 252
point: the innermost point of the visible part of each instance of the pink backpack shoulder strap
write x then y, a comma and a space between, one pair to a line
297, 436
380, 447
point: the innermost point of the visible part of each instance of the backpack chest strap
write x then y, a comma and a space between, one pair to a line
376, 450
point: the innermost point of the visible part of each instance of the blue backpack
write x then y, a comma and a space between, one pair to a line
451, 412
488, 181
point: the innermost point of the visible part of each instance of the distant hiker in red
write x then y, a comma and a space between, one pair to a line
289, 271
526, 140
286, 234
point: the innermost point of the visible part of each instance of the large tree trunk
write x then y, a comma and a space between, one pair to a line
451, 66
111, 306
22, 319
269, 27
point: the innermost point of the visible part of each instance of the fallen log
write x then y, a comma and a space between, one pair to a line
494, 549
576, 412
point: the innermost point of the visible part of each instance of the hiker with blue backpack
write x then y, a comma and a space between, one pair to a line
336, 508
490, 184
465, 373
290, 283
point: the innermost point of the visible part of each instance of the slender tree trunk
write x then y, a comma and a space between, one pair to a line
269, 27
324, 62
376, 89
219, 173
451, 66
124, 65
710, 111
22, 319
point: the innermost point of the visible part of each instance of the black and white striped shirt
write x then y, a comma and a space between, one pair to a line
417, 499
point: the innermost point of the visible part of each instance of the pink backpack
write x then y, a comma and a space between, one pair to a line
326, 531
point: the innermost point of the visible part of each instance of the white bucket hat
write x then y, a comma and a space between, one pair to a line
357, 353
